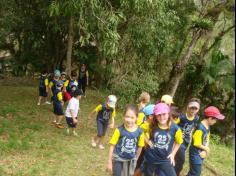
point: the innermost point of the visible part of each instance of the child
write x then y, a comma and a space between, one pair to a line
186, 121
73, 84
83, 78
144, 99
199, 147
148, 112
126, 144
43, 87
165, 140
54, 82
57, 105
72, 112
105, 112
167, 99
66, 95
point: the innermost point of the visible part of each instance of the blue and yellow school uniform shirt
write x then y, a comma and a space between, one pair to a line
187, 124
201, 136
52, 85
127, 142
163, 141
58, 97
104, 113
43, 82
65, 82
141, 118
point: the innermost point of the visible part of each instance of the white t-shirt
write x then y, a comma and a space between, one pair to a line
73, 105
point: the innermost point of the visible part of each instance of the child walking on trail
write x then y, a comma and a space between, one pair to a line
73, 84
105, 112
43, 88
72, 112
165, 140
54, 82
148, 112
126, 144
144, 99
199, 148
186, 121
83, 79
57, 105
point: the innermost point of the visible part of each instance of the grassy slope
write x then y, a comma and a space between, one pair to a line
30, 145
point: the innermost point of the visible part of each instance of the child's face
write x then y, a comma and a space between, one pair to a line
130, 118
56, 77
192, 111
63, 76
162, 118
150, 118
212, 121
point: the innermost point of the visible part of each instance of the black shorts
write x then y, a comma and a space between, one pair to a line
57, 109
70, 122
43, 92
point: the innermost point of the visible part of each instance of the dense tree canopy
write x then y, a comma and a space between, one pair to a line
181, 47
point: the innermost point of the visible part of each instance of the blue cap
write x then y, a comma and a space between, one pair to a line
148, 110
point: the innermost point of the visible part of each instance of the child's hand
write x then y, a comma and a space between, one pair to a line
111, 125
109, 167
207, 149
203, 154
62, 103
150, 144
172, 159
75, 120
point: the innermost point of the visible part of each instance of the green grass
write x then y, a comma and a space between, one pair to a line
30, 145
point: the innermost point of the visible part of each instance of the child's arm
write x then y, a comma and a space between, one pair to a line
112, 124
138, 152
197, 141
178, 142
72, 115
109, 164
92, 114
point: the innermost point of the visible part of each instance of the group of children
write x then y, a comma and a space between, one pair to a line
152, 139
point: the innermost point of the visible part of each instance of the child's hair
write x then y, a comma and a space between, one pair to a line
77, 92
73, 74
174, 111
195, 100
44, 72
131, 107
144, 97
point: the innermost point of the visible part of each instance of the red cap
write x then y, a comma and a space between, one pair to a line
212, 111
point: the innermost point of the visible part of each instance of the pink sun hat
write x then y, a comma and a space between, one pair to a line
161, 108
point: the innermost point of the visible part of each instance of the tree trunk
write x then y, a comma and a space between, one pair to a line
178, 71
69, 46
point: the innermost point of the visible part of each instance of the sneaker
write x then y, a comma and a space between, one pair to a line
94, 144
75, 134
38, 104
47, 102
59, 126
101, 147
54, 122
67, 131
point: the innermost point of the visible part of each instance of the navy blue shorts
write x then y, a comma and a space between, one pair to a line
42, 92
195, 170
70, 122
57, 109
102, 128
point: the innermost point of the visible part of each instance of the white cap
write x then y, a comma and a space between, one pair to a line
112, 101
194, 104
